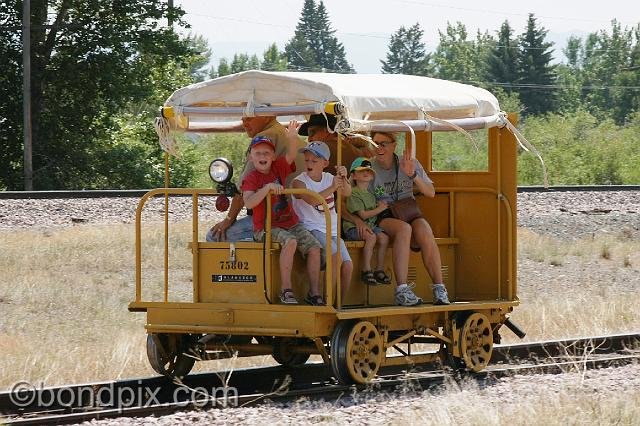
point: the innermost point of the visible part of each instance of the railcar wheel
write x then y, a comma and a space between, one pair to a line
283, 355
167, 354
476, 342
357, 351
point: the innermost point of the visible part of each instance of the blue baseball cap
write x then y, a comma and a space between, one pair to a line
258, 140
317, 148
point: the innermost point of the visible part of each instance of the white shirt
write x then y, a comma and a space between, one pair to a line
312, 217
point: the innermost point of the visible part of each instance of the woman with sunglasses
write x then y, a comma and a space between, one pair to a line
394, 181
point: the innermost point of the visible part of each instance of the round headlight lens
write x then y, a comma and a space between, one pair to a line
220, 170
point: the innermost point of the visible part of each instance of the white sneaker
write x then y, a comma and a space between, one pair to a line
440, 296
406, 297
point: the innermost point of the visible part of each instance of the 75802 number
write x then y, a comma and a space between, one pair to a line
227, 264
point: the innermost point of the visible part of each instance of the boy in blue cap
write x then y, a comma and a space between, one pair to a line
310, 210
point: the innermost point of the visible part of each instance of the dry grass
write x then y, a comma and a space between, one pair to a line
569, 288
564, 402
65, 292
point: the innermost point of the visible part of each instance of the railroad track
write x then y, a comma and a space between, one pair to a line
137, 193
160, 396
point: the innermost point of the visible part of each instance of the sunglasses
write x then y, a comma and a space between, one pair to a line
384, 144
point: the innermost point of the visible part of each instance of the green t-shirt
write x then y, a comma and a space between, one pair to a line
358, 201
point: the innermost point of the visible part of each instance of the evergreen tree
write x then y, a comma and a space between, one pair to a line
273, 59
502, 61
314, 46
300, 57
537, 76
329, 52
244, 62
406, 53
223, 68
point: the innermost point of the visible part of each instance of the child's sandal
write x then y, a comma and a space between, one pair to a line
381, 277
368, 278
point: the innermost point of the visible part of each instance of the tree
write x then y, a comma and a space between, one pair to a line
570, 78
273, 59
610, 69
90, 61
502, 60
406, 53
202, 56
459, 59
329, 52
537, 76
314, 46
244, 62
298, 50
223, 68
11, 98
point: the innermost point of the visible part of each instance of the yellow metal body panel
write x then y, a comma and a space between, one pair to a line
253, 320
231, 274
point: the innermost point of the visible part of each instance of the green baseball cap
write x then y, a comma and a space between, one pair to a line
361, 163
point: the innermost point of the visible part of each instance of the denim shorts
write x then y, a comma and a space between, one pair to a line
322, 238
351, 234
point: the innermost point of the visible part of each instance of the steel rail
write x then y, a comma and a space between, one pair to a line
311, 380
137, 193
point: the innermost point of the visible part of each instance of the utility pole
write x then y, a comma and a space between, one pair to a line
26, 94
170, 6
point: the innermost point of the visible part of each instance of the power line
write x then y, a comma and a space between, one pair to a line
549, 86
501, 12
378, 36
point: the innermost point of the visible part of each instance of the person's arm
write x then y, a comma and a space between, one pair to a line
297, 183
408, 166
366, 214
219, 230
342, 181
253, 198
361, 226
292, 141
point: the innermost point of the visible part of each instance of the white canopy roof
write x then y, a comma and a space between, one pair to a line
364, 96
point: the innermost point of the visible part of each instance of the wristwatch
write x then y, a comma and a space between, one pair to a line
413, 176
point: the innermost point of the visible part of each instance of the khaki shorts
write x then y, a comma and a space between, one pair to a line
306, 241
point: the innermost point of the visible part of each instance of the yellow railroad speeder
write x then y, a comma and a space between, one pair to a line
234, 306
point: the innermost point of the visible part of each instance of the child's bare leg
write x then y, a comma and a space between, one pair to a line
346, 269
313, 269
287, 252
367, 251
383, 243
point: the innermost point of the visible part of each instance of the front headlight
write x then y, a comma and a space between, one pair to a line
221, 170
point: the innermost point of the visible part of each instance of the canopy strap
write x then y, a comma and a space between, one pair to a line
527, 146
453, 126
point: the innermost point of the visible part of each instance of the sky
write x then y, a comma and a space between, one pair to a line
365, 26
